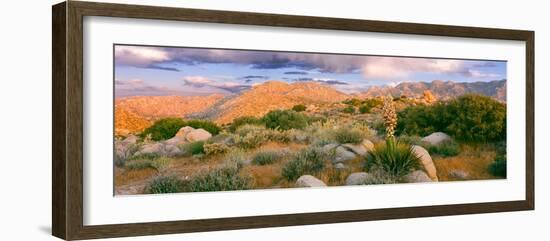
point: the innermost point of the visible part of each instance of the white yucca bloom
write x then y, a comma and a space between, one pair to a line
390, 117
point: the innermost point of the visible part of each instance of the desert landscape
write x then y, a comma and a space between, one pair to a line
264, 132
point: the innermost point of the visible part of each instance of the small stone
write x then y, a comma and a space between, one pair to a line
309, 181
458, 174
343, 155
436, 138
339, 166
357, 178
417, 176
358, 149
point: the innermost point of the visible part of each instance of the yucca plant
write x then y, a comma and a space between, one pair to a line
395, 158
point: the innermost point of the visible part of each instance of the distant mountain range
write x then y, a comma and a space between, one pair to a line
441, 89
134, 113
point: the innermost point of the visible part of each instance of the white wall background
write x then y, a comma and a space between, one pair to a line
25, 120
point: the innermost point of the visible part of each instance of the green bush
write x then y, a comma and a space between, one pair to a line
224, 178
363, 109
498, 167
373, 102
163, 129
299, 108
266, 157
353, 101
411, 140
395, 158
349, 109
238, 122
285, 120
194, 148
308, 161
215, 148
164, 184
168, 127
348, 135
204, 124
446, 148
470, 117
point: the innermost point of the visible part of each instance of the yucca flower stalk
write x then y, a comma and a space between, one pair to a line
390, 117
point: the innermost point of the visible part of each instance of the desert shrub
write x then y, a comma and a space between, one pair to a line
308, 161
285, 120
299, 108
145, 156
336, 131
397, 159
236, 156
373, 102
349, 109
164, 184
223, 178
215, 148
156, 163
294, 135
248, 128
470, 117
363, 109
168, 127
266, 157
353, 101
411, 140
238, 122
207, 125
348, 135
251, 140
379, 176
163, 129
445, 148
498, 166
128, 152
193, 148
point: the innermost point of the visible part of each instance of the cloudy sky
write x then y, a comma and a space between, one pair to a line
141, 70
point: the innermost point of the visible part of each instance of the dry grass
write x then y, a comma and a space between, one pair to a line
474, 160
124, 177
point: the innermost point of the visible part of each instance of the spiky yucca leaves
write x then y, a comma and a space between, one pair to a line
390, 117
397, 159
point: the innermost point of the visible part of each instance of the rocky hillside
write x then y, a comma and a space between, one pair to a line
273, 95
127, 122
133, 114
153, 107
441, 89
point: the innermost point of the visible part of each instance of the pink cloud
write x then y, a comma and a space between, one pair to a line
390, 68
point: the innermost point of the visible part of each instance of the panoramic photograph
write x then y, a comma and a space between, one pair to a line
192, 119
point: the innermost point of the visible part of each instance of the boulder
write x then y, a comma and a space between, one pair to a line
171, 150
151, 148
198, 135
458, 174
339, 166
309, 181
417, 176
357, 178
358, 149
129, 140
176, 140
184, 131
436, 138
368, 144
342, 155
426, 161
329, 147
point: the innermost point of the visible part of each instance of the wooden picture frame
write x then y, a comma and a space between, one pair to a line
67, 124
